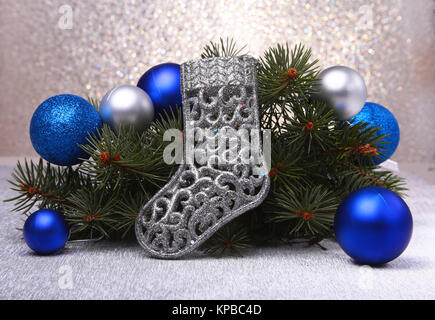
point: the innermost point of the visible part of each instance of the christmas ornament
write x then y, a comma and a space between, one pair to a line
373, 225
46, 231
199, 199
59, 125
127, 106
379, 116
343, 89
162, 83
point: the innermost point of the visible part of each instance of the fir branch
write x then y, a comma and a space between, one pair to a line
95, 103
307, 211
92, 209
167, 120
43, 185
285, 75
120, 156
355, 178
286, 166
127, 210
309, 128
228, 240
357, 143
224, 48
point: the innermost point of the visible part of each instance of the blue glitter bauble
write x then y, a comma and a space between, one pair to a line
373, 225
46, 231
162, 83
379, 116
59, 125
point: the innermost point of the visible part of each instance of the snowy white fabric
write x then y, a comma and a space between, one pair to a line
113, 270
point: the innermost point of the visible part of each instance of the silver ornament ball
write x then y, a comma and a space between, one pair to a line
344, 90
127, 106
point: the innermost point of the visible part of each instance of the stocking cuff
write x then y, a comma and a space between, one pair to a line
217, 72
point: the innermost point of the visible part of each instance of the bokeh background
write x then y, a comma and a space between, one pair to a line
86, 47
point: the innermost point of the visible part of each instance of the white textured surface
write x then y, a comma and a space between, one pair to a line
121, 271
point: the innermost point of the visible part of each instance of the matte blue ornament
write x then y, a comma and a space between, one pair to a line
162, 83
46, 231
59, 124
379, 116
373, 225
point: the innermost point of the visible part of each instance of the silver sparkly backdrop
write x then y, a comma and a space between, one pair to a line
107, 43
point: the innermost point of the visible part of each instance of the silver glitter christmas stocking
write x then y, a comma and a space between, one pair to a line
223, 172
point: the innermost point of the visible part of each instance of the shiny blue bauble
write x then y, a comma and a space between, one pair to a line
373, 225
59, 125
380, 116
162, 83
46, 231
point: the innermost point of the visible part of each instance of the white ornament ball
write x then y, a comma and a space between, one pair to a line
125, 106
344, 90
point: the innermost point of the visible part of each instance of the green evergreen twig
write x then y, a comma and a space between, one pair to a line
317, 160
